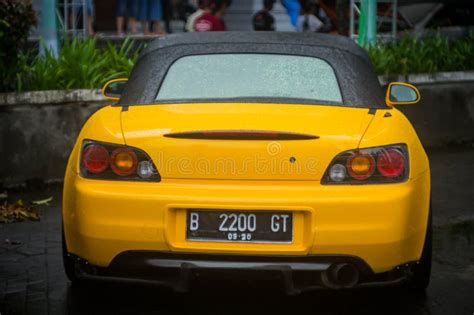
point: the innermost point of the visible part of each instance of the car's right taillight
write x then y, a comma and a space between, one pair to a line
378, 165
116, 162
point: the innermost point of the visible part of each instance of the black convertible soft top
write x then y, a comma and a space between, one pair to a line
356, 77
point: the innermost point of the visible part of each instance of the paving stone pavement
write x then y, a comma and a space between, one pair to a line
30, 258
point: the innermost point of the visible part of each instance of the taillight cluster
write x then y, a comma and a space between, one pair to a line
116, 162
388, 164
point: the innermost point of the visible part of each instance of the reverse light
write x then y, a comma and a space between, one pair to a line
337, 172
145, 169
377, 165
109, 161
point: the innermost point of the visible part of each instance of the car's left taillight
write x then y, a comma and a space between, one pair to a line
109, 161
378, 165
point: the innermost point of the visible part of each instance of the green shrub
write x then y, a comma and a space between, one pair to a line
423, 55
80, 65
122, 59
16, 19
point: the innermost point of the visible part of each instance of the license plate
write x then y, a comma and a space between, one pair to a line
236, 226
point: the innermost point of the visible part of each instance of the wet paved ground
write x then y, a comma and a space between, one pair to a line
32, 279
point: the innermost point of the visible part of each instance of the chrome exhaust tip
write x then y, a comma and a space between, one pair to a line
340, 276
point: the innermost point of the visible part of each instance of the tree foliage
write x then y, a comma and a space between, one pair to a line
16, 19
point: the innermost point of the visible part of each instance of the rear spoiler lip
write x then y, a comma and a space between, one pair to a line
241, 134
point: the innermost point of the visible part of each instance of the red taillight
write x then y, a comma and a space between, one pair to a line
375, 165
123, 161
391, 163
110, 161
95, 158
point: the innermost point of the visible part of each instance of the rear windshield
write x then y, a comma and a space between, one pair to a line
265, 77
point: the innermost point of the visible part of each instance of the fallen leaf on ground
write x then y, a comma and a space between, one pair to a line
17, 213
12, 242
46, 201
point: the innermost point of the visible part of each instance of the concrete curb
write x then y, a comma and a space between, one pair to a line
56, 97
450, 222
429, 78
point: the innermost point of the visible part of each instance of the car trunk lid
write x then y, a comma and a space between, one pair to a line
243, 141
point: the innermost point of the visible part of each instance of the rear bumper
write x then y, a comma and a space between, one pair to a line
382, 225
177, 271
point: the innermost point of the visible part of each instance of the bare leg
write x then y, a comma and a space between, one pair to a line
90, 28
133, 25
119, 22
157, 27
167, 7
146, 27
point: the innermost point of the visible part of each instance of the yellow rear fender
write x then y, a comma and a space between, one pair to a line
391, 126
104, 125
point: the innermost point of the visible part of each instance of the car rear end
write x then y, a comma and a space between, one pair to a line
246, 173
157, 227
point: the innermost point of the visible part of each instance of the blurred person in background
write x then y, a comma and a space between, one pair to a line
201, 5
263, 20
307, 21
150, 14
211, 20
318, 11
75, 11
167, 6
90, 17
184, 10
313, 18
126, 8
293, 9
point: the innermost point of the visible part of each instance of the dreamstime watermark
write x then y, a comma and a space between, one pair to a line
274, 148
273, 160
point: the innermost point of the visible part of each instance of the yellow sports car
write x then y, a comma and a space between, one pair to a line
270, 153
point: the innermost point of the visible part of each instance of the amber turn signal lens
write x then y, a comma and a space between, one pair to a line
360, 166
124, 162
